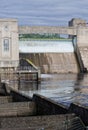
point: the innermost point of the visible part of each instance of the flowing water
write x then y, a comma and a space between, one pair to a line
62, 88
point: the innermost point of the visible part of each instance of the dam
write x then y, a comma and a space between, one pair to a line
10, 32
50, 56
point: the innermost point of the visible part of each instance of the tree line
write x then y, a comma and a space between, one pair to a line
40, 36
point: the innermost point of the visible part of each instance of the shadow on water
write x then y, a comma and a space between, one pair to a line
80, 78
28, 85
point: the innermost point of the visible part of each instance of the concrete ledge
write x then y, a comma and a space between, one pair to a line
19, 129
50, 122
17, 109
48, 107
5, 99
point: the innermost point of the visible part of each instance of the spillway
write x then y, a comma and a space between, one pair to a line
51, 56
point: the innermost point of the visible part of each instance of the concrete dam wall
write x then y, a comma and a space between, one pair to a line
51, 56
53, 62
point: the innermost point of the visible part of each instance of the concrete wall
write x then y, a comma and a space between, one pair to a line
75, 22
82, 42
46, 29
17, 109
84, 56
5, 99
53, 62
48, 107
17, 97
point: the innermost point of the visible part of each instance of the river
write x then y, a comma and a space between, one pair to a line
62, 88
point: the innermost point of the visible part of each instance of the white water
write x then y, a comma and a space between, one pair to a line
34, 46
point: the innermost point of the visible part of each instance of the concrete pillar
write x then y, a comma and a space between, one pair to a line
82, 43
82, 36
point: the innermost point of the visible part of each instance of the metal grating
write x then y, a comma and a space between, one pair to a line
75, 124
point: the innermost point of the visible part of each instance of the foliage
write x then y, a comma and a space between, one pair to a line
40, 36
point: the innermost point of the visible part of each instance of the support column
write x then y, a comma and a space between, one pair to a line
82, 43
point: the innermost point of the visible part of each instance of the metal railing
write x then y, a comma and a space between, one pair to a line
26, 68
74, 124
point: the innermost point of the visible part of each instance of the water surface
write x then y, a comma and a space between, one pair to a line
62, 88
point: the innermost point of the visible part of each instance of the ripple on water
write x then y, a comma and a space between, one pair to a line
61, 88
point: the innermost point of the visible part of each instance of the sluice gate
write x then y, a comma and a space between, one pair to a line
25, 71
28, 71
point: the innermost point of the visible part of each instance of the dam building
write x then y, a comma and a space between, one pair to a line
9, 49
50, 56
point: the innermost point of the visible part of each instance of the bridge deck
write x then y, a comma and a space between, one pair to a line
46, 29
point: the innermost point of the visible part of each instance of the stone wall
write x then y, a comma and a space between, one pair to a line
54, 62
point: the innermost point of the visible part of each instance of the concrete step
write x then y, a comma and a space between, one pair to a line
19, 129
77, 124
17, 109
50, 122
5, 99
69, 124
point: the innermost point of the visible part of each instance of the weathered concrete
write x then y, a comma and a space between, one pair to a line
17, 109
54, 62
5, 99
74, 22
84, 55
46, 29
53, 122
9, 50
